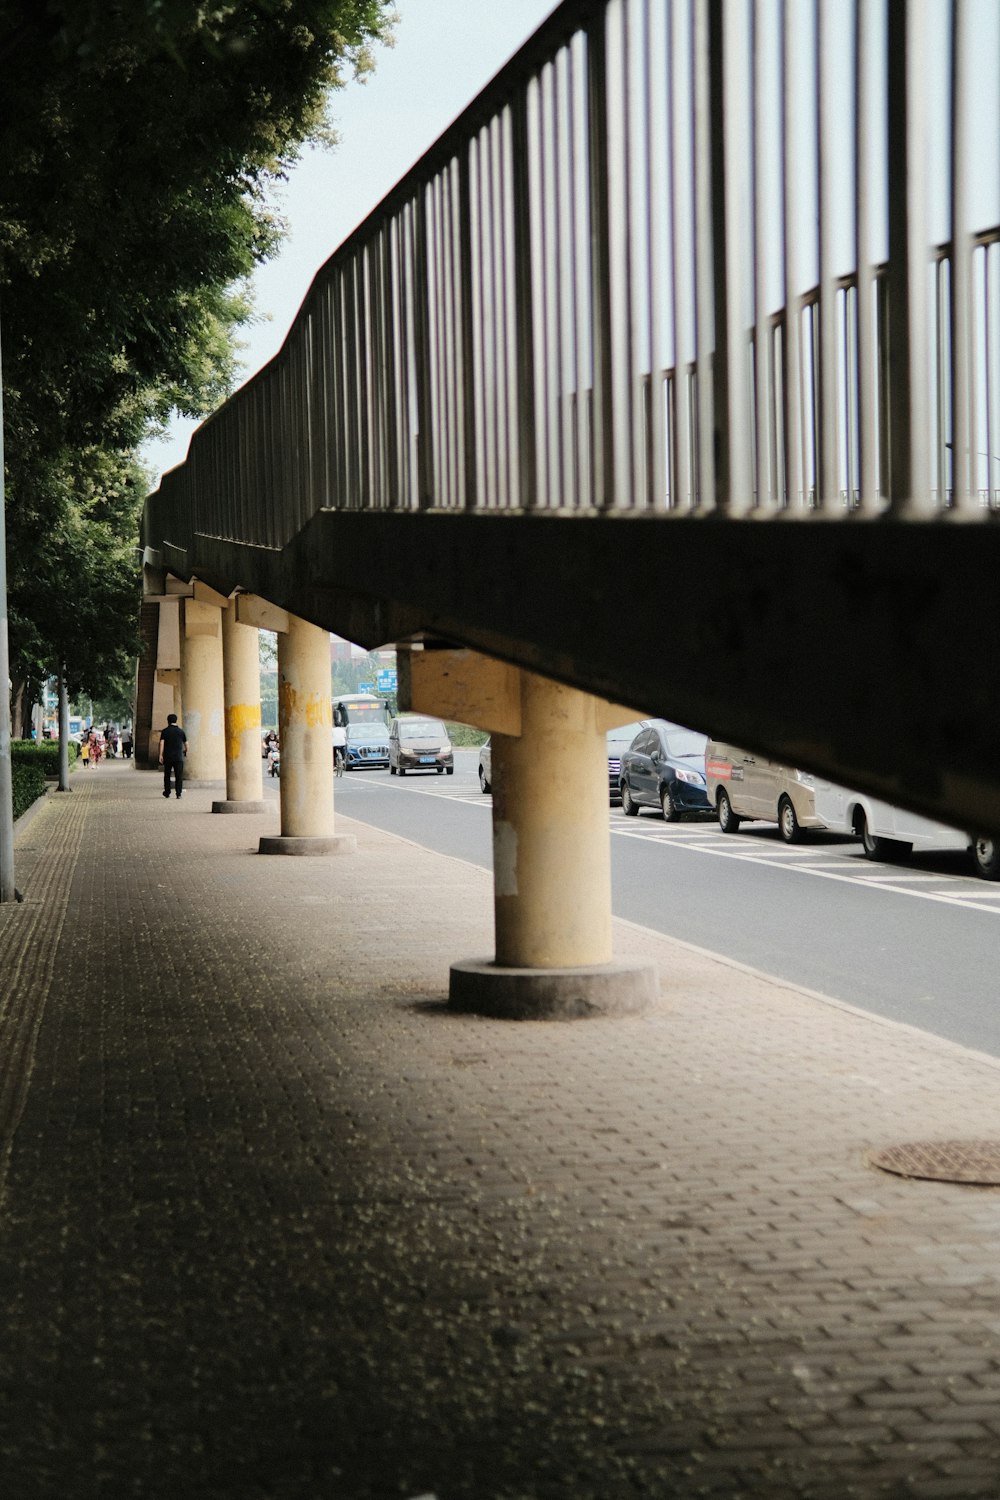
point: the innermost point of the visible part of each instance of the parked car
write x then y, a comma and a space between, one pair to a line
889, 833
743, 785
485, 767
419, 744
618, 742
664, 767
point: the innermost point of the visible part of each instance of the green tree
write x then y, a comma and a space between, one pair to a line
138, 143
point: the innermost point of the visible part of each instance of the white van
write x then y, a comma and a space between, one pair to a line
888, 832
742, 784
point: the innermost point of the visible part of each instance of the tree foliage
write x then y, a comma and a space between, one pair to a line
138, 143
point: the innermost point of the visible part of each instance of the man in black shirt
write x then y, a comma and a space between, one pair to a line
173, 748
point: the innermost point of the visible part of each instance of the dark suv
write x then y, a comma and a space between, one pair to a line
664, 767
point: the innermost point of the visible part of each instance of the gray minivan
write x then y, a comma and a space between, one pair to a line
419, 743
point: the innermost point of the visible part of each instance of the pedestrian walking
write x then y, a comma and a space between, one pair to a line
127, 744
173, 748
85, 751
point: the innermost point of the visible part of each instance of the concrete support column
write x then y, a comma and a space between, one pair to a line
201, 691
551, 846
305, 725
551, 842
241, 694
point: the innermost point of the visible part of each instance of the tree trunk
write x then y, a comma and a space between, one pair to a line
17, 708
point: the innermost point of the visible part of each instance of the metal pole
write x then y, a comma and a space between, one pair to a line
63, 732
7, 891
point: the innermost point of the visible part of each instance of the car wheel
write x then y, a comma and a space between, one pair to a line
788, 823
400, 772
729, 821
671, 814
484, 785
449, 770
876, 847
986, 855
392, 770
629, 805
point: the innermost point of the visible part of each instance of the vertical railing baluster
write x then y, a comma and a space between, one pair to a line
523, 310
467, 320
991, 390
707, 354
657, 101
567, 496
681, 246
830, 105
791, 343
597, 119
849, 388
627, 440
439, 425
453, 302
545, 242
727, 54
944, 430
864, 124
504, 481
422, 295
579, 291
908, 257
762, 244
510, 428
963, 392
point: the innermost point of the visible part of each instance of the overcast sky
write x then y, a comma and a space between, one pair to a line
445, 51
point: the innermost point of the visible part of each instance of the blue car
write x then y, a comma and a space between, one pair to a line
664, 767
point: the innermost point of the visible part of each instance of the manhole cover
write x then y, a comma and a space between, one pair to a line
943, 1161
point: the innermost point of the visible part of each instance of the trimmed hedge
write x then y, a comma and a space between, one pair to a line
28, 783
32, 762
43, 753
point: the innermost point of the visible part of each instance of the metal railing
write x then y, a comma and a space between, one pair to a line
681, 257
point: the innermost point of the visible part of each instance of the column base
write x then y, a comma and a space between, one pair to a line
481, 986
241, 805
344, 843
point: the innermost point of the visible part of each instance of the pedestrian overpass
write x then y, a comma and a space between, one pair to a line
667, 381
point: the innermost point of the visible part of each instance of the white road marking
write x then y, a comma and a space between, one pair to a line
966, 892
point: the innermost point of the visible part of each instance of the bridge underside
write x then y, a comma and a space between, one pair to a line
832, 647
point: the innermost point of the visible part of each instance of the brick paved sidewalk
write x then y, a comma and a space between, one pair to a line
276, 1224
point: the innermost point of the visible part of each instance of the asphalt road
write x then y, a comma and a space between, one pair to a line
915, 942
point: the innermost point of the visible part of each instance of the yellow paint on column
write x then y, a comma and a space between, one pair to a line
241, 680
241, 719
305, 720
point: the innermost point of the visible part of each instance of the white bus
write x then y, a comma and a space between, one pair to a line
364, 719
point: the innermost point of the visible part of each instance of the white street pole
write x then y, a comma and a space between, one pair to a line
63, 732
7, 890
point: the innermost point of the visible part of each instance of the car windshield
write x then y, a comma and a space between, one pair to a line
682, 743
422, 729
619, 739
